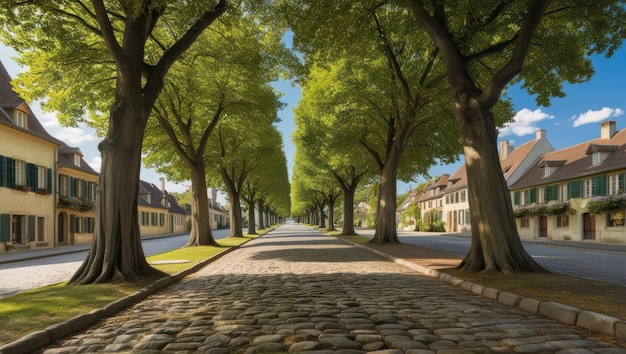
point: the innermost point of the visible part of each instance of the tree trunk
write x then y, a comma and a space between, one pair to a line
116, 252
260, 206
251, 219
322, 223
201, 233
386, 209
348, 210
496, 246
331, 215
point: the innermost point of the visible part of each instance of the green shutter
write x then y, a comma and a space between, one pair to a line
70, 192
598, 186
550, 193
49, 181
2, 172
31, 176
10, 172
533, 195
31, 228
468, 216
573, 189
5, 228
516, 198
621, 185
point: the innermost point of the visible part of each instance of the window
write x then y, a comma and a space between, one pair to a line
468, 216
516, 198
616, 184
41, 177
598, 186
462, 196
20, 119
595, 158
615, 219
41, 228
447, 198
587, 191
161, 219
20, 173
547, 171
574, 189
562, 221
153, 219
524, 223
550, 193
77, 160
461, 215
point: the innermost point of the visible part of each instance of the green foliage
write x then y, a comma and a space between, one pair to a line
545, 210
431, 222
614, 202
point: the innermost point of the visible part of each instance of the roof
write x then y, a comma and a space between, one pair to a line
66, 159
156, 198
458, 179
10, 100
575, 161
516, 157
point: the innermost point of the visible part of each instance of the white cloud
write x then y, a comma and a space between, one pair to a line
96, 163
596, 116
524, 122
73, 136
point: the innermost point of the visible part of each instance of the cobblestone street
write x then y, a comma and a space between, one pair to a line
295, 290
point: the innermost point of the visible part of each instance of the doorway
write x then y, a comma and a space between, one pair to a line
61, 229
543, 226
589, 226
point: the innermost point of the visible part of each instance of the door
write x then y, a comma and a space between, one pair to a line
589, 226
543, 226
61, 229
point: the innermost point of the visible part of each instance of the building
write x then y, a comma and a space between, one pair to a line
48, 191
576, 193
28, 158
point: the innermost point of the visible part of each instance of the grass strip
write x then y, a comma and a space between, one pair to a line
36, 309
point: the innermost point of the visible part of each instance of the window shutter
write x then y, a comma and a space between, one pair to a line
598, 186
516, 197
31, 176
49, 180
10, 172
621, 186
550, 193
71, 192
2, 172
468, 217
574, 189
31, 228
5, 228
533, 195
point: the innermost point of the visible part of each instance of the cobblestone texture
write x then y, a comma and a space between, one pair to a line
297, 291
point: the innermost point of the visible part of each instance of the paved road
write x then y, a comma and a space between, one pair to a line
295, 290
558, 257
29, 274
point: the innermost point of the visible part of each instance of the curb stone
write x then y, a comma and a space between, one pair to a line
592, 321
36, 340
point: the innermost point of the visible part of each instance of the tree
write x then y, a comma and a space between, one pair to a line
486, 46
241, 138
220, 75
377, 90
136, 61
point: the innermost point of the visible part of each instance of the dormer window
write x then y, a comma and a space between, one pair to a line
595, 158
20, 119
547, 171
549, 167
77, 160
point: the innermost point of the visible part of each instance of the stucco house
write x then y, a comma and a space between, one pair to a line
158, 211
576, 193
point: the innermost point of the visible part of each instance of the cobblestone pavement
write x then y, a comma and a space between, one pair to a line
297, 291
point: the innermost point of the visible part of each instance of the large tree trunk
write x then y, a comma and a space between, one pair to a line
201, 233
386, 209
348, 210
322, 220
116, 252
496, 246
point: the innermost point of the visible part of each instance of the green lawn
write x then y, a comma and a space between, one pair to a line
36, 309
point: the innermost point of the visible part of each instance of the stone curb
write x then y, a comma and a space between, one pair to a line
36, 340
592, 321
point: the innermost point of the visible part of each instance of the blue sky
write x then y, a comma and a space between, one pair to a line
570, 120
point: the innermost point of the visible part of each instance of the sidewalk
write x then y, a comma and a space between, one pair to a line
312, 293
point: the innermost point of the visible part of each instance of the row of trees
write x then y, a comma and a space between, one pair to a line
189, 78
414, 82
406, 81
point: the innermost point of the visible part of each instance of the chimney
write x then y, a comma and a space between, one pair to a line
505, 149
214, 195
607, 129
541, 134
162, 179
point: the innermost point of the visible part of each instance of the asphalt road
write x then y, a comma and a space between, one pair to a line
19, 276
579, 259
